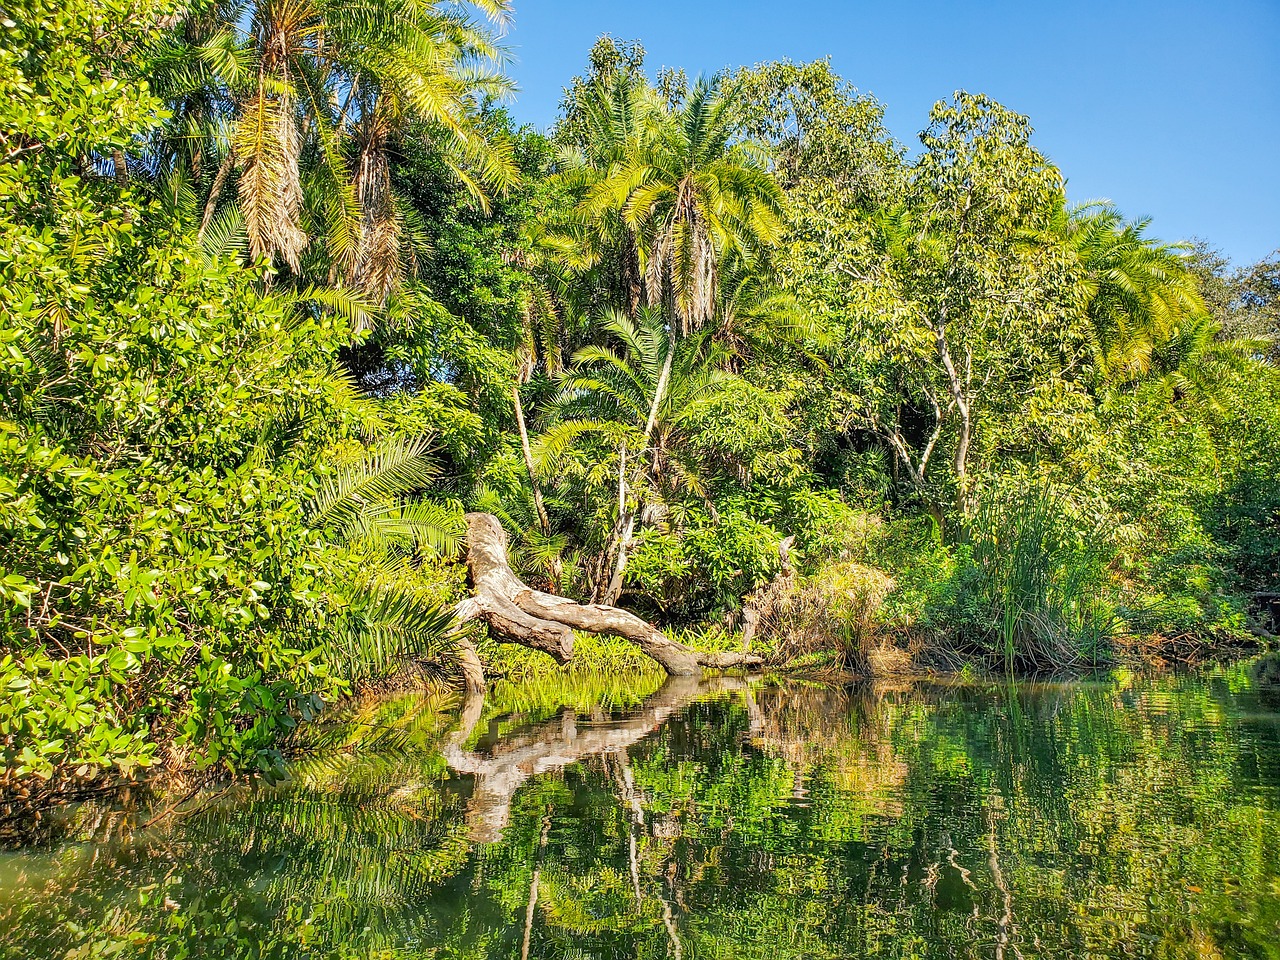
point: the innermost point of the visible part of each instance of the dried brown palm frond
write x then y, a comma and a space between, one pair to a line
683, 262
267, 140
376, 268
267, 145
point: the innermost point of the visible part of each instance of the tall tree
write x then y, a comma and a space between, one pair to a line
702, 195
614, 121
665, 192
305, 100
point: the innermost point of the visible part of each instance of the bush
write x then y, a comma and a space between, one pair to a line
706, 566
834, 611
1026, 584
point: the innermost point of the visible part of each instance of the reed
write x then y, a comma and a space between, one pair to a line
1040, 569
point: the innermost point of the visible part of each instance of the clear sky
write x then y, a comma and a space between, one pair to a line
1171, 109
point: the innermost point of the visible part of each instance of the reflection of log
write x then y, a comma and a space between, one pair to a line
554, 745
519, 614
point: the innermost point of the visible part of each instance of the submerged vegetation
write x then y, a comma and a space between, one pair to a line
284, 290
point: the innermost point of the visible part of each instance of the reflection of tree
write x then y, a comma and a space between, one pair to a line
554, 745
533, 889
1134, 818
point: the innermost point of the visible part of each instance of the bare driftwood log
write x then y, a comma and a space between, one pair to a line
517, 613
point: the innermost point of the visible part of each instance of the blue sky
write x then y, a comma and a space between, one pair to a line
1171, 109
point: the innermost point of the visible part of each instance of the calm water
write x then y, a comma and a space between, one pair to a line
1120, 818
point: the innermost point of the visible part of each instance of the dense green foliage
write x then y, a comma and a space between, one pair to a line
282, 289
194, 555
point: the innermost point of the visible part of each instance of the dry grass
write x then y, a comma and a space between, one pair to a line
835, 610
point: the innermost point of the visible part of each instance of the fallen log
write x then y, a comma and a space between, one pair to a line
516, 613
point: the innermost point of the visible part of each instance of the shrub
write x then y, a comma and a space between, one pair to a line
836, 610
706, 566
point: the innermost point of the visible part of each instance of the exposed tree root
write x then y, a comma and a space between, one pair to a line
516, 613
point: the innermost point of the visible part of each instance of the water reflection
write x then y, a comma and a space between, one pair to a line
1128, 817
504, 760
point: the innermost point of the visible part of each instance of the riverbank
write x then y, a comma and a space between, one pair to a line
606, 672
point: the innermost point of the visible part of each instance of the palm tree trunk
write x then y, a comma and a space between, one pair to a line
627, 532
543, 521
615, 556
659, 392
215, 192
121, 168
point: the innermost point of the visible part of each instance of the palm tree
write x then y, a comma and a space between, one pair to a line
1139, 293
644, 398
1196, 362
304, 99
666, 196
756, 318
427, 75
618, 119
702, 196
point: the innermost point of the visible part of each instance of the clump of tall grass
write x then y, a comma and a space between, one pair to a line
593, 654
1039, 571
833, 611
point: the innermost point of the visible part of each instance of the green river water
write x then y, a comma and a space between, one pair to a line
1119, 817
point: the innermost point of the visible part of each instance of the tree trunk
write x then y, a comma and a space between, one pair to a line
628, 529
533, 888
544, 522
121, 168
518, 614
614, 590
621, 537
472, 668
960, 463
781, 584
215, 192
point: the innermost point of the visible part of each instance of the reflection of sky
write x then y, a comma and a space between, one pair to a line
1167, 108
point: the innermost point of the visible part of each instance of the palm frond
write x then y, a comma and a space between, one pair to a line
390, 471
